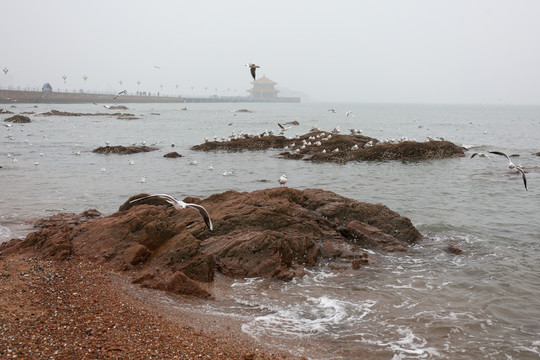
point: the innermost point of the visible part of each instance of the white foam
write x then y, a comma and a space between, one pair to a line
313, 316
5, 233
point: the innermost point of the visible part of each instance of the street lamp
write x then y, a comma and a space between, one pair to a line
64, 77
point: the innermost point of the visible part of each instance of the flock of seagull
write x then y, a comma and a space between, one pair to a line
314, 140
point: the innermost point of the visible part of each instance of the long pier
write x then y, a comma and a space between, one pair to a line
51, 97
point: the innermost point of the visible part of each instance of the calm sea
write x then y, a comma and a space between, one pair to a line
426, 303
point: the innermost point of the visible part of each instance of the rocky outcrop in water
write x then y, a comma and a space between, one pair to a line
122, 150
172, 155
5, 111
72, 114
18, 119
404, 151
245, 142
320, 146
272, 233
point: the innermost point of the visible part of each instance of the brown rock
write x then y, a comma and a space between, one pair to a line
245, 143
357, 263
405, 151
19, 119
272, 233
122, 150
454, 249
172, 155
5, 111
177, 283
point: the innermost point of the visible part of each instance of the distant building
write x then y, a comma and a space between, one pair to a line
46, 87
263, 88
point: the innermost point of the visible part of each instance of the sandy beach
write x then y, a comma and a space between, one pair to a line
76, 310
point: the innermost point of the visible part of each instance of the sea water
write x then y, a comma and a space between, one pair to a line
424, 303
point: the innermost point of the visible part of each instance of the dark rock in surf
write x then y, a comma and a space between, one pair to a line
172, 155
453, 249
122, 150
18, 119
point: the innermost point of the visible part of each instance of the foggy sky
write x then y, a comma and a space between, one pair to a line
416, 51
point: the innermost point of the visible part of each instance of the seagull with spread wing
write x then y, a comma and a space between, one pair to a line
252, 69
180, 205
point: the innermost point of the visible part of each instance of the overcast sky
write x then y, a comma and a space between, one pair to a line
414, 51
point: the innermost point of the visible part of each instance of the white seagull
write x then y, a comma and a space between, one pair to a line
282, 180
123, 92
480, 155
511, 165
252, 69
283, 128
180, 205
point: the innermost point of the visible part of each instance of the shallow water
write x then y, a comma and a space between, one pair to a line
426, 303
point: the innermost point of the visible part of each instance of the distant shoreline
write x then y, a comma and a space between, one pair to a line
51, 97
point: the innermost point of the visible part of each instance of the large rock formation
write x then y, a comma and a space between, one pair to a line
272, 233
320, 146
404, 151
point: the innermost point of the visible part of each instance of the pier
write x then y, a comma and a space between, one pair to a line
52, 97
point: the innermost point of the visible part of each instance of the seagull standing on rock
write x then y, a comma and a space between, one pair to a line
282, 180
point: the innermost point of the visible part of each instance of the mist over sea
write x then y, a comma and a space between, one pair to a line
425, 303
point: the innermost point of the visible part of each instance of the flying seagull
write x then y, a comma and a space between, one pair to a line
480, 154
123, 92
252, 68
511, 165
179, 205
283, 128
